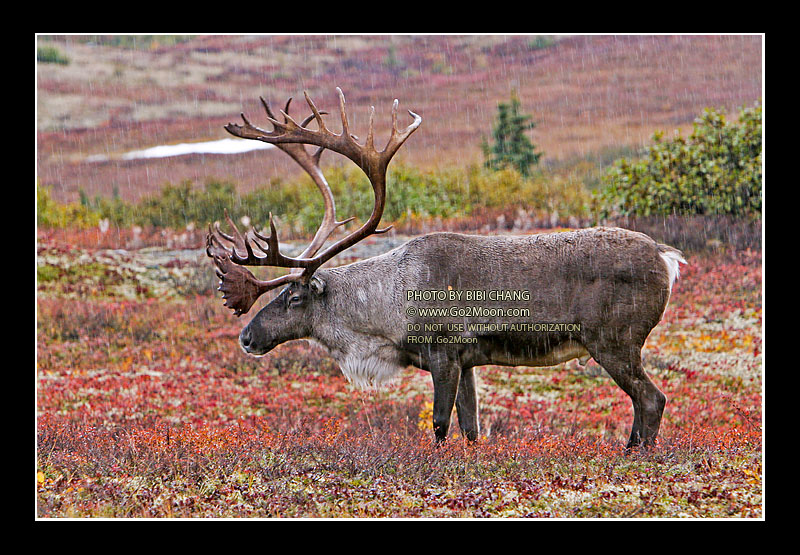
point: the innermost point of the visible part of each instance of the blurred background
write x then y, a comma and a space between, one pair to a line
130, 129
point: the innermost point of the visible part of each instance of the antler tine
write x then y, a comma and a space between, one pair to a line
278, 126
286, 108
398, 137
273, 119
308, 120
239, 236
240, 288
272, 241
395, 104
318, 153
216, 233
246, 131
241, 241
370, 144
290, 124
343, 112
316, 114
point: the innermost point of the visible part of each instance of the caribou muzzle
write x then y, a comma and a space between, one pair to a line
251, 344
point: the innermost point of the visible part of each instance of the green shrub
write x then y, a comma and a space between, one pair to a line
140, 42
50, 213
413, 194
541, 41
715, 171
542, 192
50, 55
179, 205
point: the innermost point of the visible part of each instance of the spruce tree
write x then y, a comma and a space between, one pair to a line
511, 146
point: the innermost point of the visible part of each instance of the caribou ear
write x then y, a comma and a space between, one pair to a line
317, 285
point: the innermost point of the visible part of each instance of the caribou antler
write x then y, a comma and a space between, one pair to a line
239, 286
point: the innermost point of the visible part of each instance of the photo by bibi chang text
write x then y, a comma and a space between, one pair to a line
451, 294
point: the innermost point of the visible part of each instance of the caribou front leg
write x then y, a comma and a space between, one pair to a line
445, 374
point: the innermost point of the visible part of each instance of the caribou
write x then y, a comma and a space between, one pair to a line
445, 302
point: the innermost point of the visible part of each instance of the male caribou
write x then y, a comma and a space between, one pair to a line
446, 302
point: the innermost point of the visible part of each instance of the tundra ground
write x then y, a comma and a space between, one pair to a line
147, 407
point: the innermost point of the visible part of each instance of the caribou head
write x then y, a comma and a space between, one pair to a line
231, 253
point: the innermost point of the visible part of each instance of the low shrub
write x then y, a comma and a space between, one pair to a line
716, 170
50, 55
54, 214
414, 195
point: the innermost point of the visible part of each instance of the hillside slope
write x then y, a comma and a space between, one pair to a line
591, 96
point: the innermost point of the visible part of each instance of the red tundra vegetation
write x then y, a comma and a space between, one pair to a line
147, 407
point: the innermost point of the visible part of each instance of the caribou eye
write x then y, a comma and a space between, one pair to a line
294, 300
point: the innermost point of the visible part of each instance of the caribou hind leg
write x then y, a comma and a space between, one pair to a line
648, 401
467, 405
